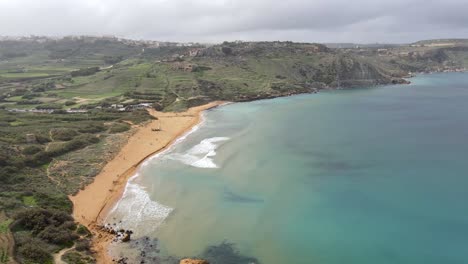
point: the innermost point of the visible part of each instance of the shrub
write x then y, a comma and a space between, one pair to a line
30, 96
82, 245
28, 102
226, 50
119, 128
30, 150
63, 134
7, 174
59, 111
57, 235
37, 220
82, 230
49, 106
34, 253
112, 59
78, 142
201, 68
38, 159
85, 72
77, 258
42, 138
157, 106
92, 128
68, 103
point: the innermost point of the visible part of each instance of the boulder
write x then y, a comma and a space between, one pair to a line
126, 237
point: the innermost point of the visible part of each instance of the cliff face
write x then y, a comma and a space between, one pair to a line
290, 66
352, 71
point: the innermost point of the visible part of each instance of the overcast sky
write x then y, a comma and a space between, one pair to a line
364, 21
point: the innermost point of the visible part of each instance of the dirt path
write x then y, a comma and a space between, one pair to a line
58, 255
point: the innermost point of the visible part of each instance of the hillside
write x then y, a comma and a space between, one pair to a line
442, 42
66, 105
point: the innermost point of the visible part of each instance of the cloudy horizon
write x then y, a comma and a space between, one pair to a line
361, 21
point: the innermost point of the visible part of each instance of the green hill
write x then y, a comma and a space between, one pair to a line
78, 82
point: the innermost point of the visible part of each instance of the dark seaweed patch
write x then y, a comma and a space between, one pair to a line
226, 253
234, 197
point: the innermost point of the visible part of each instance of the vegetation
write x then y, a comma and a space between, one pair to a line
31, 172
4, 226
84, 72
119, 128
65, 104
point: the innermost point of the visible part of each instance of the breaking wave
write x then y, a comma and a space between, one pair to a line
136, 209
200, 155
176, 142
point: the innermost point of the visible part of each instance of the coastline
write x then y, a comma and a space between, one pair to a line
92, 204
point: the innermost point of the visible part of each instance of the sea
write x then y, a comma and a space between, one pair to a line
370, 175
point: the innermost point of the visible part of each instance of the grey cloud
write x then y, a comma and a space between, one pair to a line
218, 20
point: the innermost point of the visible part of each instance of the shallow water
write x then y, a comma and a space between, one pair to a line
371, 175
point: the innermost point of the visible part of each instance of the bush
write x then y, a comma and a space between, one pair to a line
201, 68
58, 235
68, 103
226, 50
59, 111
30, 150
7, 175
40, 138
54, 201
34, 253
112, 59
63, 134
82, 230
38, 159
85, 72
157, 106
119, 128
78, 142
49, 106
28, 102
92, 128
37, 220
77, 258
30, 96
83, 245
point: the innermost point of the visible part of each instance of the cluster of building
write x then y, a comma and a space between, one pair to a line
118, 107
46, 111
126, 108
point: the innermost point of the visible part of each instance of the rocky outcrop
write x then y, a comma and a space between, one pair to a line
353, 71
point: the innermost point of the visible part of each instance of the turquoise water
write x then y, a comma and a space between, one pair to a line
371, 175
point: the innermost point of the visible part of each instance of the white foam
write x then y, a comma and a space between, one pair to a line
177, 141
136, 209
200, 155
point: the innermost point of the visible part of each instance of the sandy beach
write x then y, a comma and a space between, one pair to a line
92, 204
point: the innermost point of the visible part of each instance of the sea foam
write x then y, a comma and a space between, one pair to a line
136, 209
200, 155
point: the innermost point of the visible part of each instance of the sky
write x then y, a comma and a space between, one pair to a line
357, 21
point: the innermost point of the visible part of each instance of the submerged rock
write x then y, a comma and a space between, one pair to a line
193, 261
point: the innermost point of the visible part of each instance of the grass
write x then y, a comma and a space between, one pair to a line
16, 123
24, 75
4, 226
3, 256
29, 201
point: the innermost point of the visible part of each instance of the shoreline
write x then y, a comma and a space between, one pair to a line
92, 204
